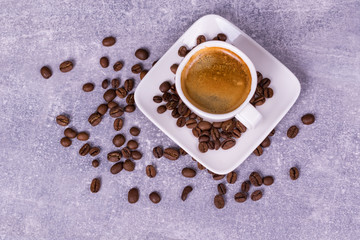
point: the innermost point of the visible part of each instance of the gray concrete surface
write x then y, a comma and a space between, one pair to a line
44, 191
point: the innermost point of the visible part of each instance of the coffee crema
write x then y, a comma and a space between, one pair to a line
216, 80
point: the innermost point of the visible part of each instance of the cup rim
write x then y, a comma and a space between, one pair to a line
228, 46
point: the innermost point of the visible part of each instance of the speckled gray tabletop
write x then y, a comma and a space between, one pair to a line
44, 191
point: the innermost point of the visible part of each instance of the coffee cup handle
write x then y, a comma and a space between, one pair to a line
249, 116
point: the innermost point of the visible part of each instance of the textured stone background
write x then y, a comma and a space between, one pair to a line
44, 191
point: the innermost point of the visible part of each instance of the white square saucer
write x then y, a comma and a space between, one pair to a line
284, 83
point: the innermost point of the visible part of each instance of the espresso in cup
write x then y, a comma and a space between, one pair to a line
216, 80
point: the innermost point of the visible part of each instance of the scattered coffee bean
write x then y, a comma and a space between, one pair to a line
259, 91
82, 136
200, 167
121, 92
118, 66
268, 180
94, 119
200, 39
171, 153
136, 155
132, 144
157, 152
259, 101
292, 131
94, 151
166, 96
240, 197
129, 108
173, 68
66, 66
150, 171
217, 124
115, 83
105, 84
294, 173
116, 112
272, 133
221, 188
126, 153
129, 165
62, 120
266, 143
102, 109
155, 197
259, 76
308, 119
255, 179
258, 151
143, 73
231, 177
70, 133
182, 152
130, 99
165, 86
116, 168
218, 177
104, 62
182, 51
112, 104
129, 85
245, 186
142, 54
203, 147
257, 195
219, 201
264, 83
45, 72
188, 172
161, 109
175, 113
268, 92
186, 192
95, 163
204, 125
228, 143
95, 185
65, 142
118, 140
133, 195
154, 62
191, 123
222, 37
137, 68
228, 125
108, 41
204, 138
114, 156
196, 132
134, 131
84, 149
109, 95
118, 124
157, 99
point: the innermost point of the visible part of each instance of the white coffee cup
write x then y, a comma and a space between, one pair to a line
245, 113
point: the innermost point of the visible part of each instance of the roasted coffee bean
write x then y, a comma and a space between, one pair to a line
182, 51
165, 86
255, 179
219, 201
108, 41
109, 95
129, 165
192, 115
66, 66
204, 138
114, 156
121, 92
155, 197
226, 135
154, 62
264, 83
161, 109
94, 151
200, 167
70, 133
228, 125
272, 132
266, 143
95, 185
95, 163
130, 99
203, 147
268, 92
258, 151
166, 97
105, 84
62, 120
157, 152
183, 109
129, 108
112, 104
134, 131
136, 155
142, 54
221, 188
82, 136
240, 126
236, 133
143, 73
171, 105
252, 100
129, 85
204, 125
84, 149
186, 192
116, 112
116, 168
222, 37
137, 68
228, 143
118, 140
181, 122
173, 89
175, 113
268, 180
292, 131
157, 99
115, 83
126, 153
217, 124
200, 39
150, 171
308, 119
133, 195
217, 144
182, 152
173, 68
196, 132
259, 77
206, 133
240, 197
215, 134
45, 72
259, 101
94, 119
132, 144
171, 153
231, 177
175, 97
294, 173
188, 172
257, 195
65, 142
245, 186
191, 123
259, 91
102, 109
218, 177
104, 62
